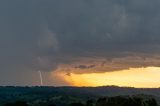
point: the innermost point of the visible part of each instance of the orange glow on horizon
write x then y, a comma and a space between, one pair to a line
148, 77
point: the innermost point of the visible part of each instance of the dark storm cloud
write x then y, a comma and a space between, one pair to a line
41, 34
85, 67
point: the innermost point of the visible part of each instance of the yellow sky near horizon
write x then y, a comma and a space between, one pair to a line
148, 77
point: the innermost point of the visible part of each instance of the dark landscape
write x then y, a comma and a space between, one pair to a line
79, 96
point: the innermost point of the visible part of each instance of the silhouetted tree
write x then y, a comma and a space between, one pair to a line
51, 105
76, 104
126, 101
101, 102
152, 102
90, 103
17, 103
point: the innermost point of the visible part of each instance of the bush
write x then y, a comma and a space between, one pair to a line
126, 101
17, 103
76, 104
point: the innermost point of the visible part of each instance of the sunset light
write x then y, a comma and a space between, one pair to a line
134, 77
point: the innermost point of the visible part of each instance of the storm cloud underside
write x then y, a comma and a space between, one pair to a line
81, 35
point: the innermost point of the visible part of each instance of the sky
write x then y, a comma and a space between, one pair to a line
99, 41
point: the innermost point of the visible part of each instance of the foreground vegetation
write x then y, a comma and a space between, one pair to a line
71, 96
110, 101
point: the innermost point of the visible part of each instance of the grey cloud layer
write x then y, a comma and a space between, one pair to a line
40, 34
